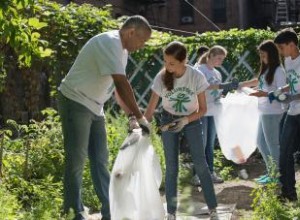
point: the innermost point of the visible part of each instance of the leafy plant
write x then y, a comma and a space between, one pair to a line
10, 206
266, 205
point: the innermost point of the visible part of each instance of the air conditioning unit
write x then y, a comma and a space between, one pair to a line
187, 19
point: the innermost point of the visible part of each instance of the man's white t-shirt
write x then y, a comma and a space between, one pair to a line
292, 68
89, 81
213, 77
183, 98
279, 80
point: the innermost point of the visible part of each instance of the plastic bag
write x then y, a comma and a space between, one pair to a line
237, 125
135, 180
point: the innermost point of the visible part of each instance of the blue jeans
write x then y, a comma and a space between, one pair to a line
84, 135
288, 146
268, 138
209, 136
192, 133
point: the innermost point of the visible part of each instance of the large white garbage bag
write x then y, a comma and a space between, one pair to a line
135, 180
237, 125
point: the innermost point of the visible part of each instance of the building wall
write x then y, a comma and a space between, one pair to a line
168, 15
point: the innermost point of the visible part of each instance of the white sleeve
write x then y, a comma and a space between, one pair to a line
157, 86
280, 77
202, 83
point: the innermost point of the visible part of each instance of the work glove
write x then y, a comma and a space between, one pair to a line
132, 123
228, 86
145, 125
166, 127
287, 98
179, 124
273, 95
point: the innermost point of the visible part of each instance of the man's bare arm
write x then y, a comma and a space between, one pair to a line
126, 94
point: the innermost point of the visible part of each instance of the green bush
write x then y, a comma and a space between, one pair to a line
10, 206
266, 205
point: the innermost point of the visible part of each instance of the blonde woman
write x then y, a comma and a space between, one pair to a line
207, 64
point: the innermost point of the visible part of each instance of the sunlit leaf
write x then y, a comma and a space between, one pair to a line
34, 22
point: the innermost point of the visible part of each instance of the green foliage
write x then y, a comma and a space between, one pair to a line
266, 205
222, 165
48, 36
33, 165
20, 30
10, 206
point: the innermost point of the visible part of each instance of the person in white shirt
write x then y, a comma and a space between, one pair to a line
287, 42
97, 72
182, 90
271, 77
207, 64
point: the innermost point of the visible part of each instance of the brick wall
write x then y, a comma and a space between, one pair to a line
169, 15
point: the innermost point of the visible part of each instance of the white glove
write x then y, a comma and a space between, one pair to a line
180, 123
145, 125
287, 98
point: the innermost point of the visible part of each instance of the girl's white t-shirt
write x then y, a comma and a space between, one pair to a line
89, 81
213, 77
183, 98
279, 80
292, 68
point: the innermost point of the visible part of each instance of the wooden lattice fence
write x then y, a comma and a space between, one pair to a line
141, 73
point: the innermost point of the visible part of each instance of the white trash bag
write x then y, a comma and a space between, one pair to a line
236, 122
135, 180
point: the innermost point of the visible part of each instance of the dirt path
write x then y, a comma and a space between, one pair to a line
238, 190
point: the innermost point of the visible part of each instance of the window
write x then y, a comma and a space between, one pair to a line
186, 12
219, 11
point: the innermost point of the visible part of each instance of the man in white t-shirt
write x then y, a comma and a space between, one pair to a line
97, 72
287, 42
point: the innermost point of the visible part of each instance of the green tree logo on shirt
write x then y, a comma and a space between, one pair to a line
214, 93
293, 79
179, 102
260, 83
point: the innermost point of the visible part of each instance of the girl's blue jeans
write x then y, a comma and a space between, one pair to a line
209, 136
268, 139
84, 136
193, 134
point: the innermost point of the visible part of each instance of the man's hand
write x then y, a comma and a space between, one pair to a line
132, 123
145, 125
179, 124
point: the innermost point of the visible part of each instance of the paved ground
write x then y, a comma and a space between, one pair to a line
192, 206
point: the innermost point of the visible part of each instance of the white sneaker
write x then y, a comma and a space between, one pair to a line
195, 181
213, 214
171, 217
216, 179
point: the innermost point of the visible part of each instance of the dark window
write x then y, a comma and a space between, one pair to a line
219, 11
186, 12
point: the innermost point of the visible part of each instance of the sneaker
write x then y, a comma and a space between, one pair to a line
195, 181
213, 214
261, 177
216, 179
268, 180
171, 217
